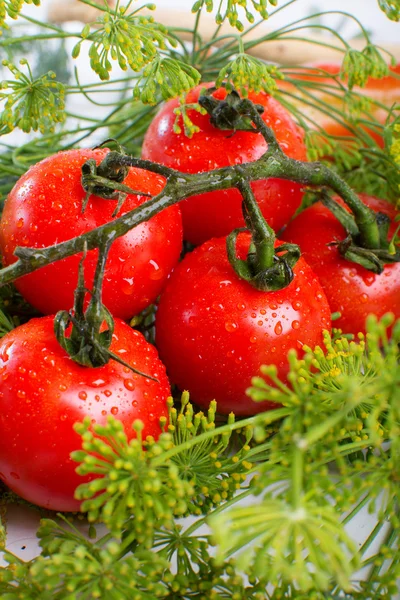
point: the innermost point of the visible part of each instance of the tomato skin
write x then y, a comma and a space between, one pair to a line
44, 208
350, 288
214, 330
44, 392
217, 213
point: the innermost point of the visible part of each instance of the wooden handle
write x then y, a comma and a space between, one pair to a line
283, 52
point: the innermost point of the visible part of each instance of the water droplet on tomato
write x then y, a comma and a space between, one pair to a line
129, 384
98, 382
229, 326
364, 298
20, 223
63, 417
49, 360
62, 387
107, 393
296, 305
295, 324
253, 339
127, 286
263, 311
114, 410
4, 353
21, 394
278, 328
156, 272
82, 395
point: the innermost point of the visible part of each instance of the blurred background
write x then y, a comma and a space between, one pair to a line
366, 10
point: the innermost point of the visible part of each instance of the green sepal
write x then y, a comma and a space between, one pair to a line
226, 114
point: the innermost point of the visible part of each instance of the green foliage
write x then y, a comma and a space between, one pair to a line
294, 536
246, 73
30, 104
187, 471
358, 67
165, 78
391, 8
229, 10
304, 545
12, 8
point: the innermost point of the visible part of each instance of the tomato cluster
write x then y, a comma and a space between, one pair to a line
213, 329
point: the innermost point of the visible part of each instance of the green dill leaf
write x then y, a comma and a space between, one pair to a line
165, 77
246, 73
228, 9
30, 104
391, 8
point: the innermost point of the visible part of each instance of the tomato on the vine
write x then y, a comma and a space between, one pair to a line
351, 289
44, 392
217, 213
385, 92
45, 208
214, 330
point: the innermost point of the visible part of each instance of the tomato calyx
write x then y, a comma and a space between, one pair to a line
86, 335
106, 179
352, 248
266, 268
229, 114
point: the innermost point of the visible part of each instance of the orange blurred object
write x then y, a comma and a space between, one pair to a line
385, 91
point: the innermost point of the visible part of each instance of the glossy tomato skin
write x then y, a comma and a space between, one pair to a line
44, 392
214, 330
217, 213
350, 288
44, 208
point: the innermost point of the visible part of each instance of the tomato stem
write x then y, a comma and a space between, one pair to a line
179, 186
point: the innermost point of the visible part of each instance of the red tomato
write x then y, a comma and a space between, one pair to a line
218, 213
214, 330
44, 208
385, 91
44, 392
350, 288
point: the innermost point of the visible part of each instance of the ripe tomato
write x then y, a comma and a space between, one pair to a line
218, 213
350, 288
214, 330
385, 91
44, 392
44, 208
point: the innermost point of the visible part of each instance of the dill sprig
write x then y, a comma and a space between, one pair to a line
229, 10
30, 104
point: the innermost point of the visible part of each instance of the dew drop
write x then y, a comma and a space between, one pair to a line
295, 324
129, 384
278, 328
82, 395
114, 410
